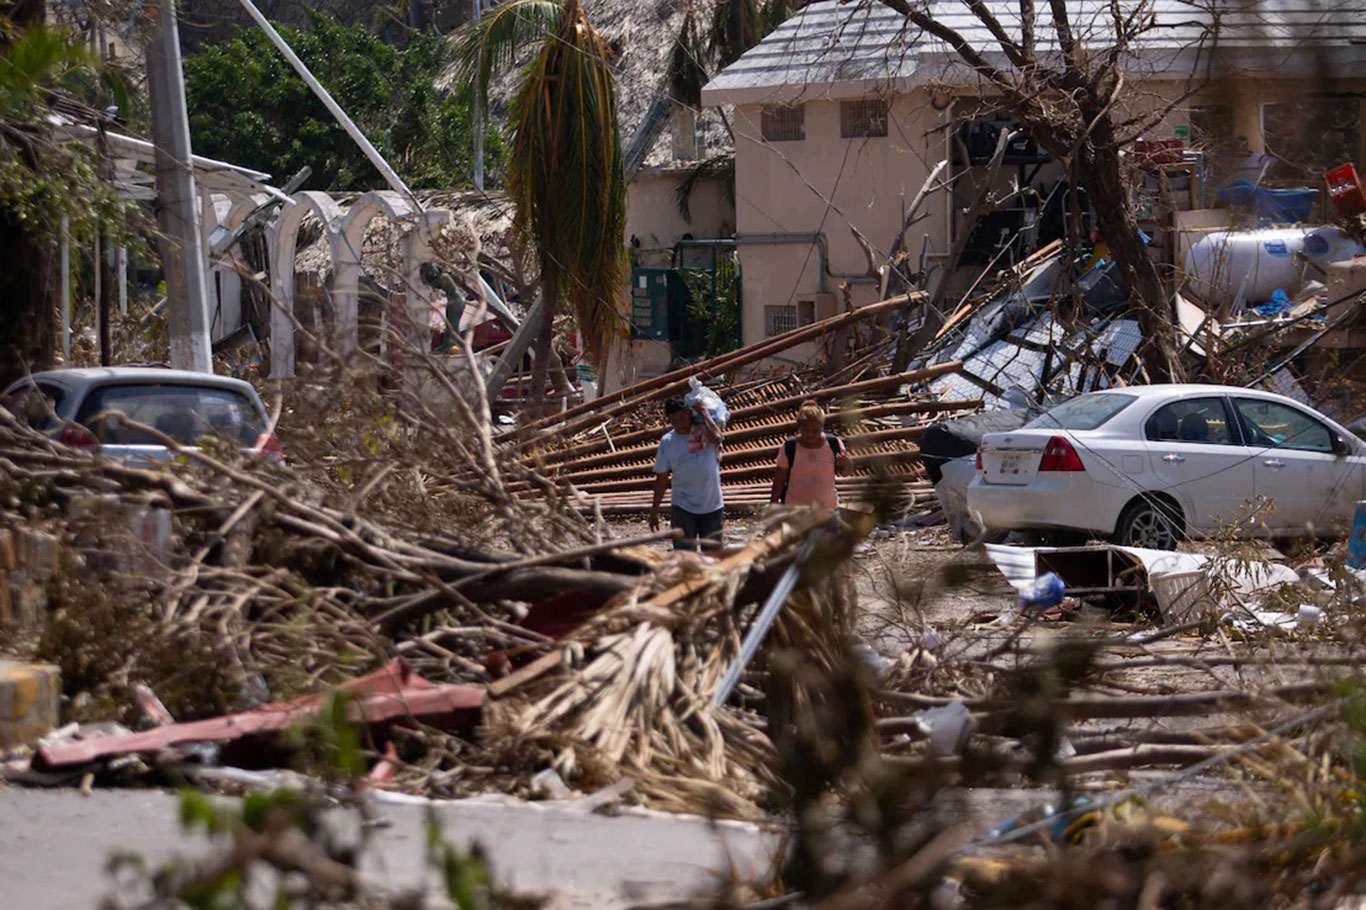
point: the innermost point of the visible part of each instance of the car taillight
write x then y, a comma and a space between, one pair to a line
78, 436
979, 457
268, 444
1059, 455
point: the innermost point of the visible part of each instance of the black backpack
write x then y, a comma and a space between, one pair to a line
790, 449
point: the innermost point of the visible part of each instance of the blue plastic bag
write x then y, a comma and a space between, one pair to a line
1047, 592
1280, 302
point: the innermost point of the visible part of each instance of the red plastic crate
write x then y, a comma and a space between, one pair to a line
1153, 152
1344, 188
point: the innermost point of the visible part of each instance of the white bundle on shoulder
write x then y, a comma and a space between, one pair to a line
709, 399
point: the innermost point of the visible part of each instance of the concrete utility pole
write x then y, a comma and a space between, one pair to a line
182, 245
64, 283
476, 11
121, 269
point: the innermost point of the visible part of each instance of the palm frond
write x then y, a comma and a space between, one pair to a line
496, 40
774, 13
718, 167
566, 174
38, 60
733, 27
687, 74
738, 25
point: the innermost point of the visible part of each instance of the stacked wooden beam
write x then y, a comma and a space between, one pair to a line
605, 449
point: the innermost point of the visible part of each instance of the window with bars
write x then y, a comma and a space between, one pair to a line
783, 122
864, 118
779, 319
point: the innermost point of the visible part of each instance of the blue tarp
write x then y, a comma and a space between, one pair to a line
1291, 205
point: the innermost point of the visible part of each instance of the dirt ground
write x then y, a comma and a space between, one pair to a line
920, 588
907, 581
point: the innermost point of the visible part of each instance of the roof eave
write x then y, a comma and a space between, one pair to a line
714, 95
1335, 61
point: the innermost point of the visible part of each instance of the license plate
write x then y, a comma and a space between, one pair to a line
1010, 464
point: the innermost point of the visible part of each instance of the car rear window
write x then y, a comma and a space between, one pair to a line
1088, 412
183, 412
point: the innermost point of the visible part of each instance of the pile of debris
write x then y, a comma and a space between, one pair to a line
484, 660
532, 657
602, 451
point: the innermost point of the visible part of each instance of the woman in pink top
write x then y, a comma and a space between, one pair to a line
808, 463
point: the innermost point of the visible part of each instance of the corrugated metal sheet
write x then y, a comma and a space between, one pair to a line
1005, 364
1120, 340
830, 44
1283, 382
392, 693
955, 386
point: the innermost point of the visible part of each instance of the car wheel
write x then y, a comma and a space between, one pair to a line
1151, 524
976, 534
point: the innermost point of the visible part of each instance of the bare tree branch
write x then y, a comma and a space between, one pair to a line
1027, 17
1014, 53
1067, 42
956, 41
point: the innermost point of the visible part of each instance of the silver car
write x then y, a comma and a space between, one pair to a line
77, 406
1150, 465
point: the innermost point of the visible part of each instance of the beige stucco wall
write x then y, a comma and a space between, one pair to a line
838, 184
1244, 97
788, 187
653, 226
652, 215
1247, 97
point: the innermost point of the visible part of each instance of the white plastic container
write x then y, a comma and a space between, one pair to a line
1181, 596
1240, 267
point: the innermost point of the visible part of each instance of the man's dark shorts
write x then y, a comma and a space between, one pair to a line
698, 530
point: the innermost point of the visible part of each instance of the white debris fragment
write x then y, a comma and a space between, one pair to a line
947, 727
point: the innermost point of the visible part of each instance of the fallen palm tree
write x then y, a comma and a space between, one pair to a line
630, 694
278, 581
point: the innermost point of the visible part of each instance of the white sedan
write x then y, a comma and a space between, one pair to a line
1151, 465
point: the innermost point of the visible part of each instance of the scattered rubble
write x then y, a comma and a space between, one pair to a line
604, 449
497, 634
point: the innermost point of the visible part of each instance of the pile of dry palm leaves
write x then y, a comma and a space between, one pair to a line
277, 580
631, 692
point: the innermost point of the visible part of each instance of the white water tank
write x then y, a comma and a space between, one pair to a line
1241, 267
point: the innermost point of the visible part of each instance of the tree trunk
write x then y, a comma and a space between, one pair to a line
1110, 199
28, 303
512, 355
28, 293
540, 366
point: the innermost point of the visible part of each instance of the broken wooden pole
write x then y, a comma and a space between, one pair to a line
853, 390
584, 415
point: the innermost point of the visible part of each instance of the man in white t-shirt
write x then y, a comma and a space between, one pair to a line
689, 460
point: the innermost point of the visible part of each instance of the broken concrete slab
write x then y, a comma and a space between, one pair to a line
30, 701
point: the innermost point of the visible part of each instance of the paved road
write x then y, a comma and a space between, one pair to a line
54, 845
